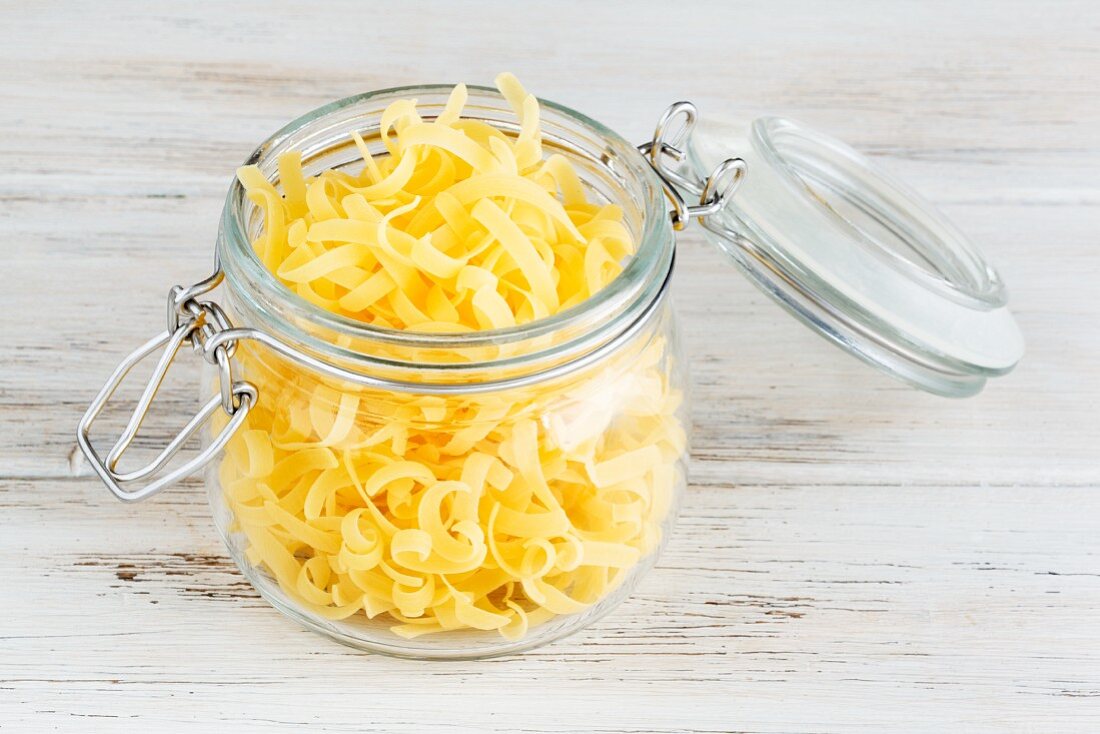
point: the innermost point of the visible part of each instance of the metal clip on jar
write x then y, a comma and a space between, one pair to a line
853, 254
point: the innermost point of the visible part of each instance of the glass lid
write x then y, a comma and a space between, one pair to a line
858, 256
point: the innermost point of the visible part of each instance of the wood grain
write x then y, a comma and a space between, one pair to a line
853, 555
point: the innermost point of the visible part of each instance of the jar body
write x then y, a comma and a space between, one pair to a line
459, 525
455, 495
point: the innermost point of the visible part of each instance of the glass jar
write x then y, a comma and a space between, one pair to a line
584, 411
339, 494
476, 494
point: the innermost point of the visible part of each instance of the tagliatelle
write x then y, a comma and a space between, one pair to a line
492, 512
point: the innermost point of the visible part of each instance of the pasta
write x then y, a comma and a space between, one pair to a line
492, 512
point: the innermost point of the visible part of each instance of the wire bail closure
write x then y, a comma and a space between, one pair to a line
669, 143
189, 321
206, 327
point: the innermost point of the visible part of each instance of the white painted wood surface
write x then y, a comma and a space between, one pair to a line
853, 555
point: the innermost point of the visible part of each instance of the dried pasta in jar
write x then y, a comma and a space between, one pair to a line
496, 510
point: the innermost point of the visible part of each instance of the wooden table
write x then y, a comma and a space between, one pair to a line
853, 554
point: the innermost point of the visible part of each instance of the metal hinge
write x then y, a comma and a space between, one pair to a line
669, 143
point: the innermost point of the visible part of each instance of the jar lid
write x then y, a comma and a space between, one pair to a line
857, 256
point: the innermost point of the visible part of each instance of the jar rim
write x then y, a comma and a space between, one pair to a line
609, 311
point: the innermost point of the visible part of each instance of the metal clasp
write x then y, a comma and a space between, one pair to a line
189, 321
669, 143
